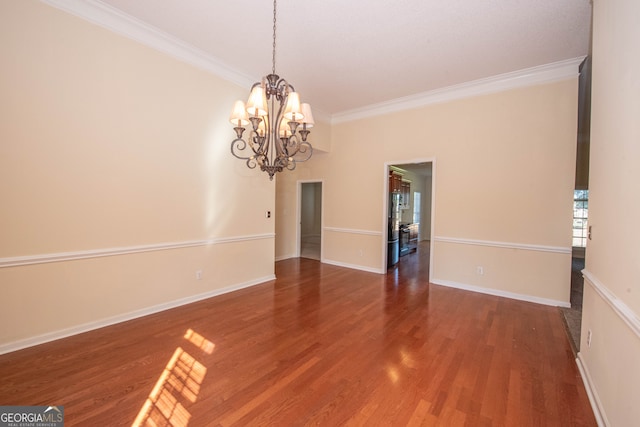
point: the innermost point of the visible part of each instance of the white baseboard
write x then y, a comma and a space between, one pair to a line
592, 393
499, 293
86, 327
354, 266
283, 257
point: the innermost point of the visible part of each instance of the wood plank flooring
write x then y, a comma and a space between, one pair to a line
321, 345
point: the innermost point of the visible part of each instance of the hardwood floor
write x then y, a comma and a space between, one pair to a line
321, 345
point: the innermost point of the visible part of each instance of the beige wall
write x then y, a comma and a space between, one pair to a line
504, 172
612, 290
109, 146
286, 215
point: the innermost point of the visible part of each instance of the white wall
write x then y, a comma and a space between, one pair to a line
116, 180
612, 290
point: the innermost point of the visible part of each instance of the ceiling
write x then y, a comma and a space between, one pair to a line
345, 55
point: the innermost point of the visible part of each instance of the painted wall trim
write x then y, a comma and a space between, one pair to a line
114, 20
354, 266
98, 253
548, 73
74, 330
385, 205
507, 245
619, 307
353, 231
499, 293
287, 256
592, 393
120, 23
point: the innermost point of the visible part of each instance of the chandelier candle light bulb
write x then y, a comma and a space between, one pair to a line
257, 103
308, 117
239, 115
276, 140
292, 112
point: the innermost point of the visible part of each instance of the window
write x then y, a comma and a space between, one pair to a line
416, 207
580, 216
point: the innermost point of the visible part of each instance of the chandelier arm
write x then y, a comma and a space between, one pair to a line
251, 163
300, 147
266, 147
278, 143
257, 144
240, 145
293, 145
283, 87
304, 147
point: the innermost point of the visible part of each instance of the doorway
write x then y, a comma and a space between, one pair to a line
415, 220
310, 230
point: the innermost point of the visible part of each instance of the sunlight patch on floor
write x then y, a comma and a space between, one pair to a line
179, 382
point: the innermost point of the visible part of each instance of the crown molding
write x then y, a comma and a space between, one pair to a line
118, 22
541, 74
114, 20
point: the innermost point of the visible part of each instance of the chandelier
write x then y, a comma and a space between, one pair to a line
279, 123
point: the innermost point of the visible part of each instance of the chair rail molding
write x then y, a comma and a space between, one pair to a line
620, 308
97, 253
353, 231
507, 245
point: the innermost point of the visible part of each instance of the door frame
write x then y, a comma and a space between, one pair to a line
385, 207
299, 215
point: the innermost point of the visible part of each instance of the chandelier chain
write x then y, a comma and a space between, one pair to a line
273, 58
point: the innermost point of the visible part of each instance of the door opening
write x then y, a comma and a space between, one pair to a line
409, 209
310, 232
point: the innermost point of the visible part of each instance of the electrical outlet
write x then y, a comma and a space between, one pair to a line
480, 270
268, 214
199, 275
589, 338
